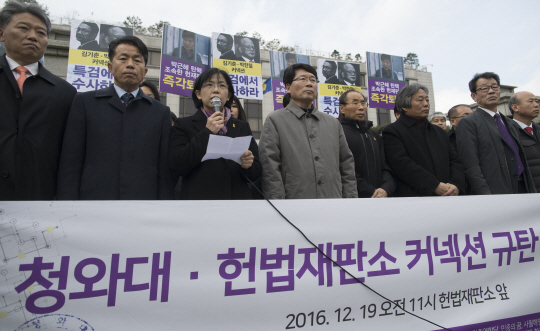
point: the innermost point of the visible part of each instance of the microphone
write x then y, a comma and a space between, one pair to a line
216, 103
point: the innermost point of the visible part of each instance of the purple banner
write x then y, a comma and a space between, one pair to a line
279, 90
178, 77
529, 322
382, 94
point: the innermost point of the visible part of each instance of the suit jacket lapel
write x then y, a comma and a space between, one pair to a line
9, 74
114, 100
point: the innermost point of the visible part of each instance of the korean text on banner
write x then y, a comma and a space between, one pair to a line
279, 61
88, 54
240, 57
139, 265
386, 76
336, 78
184, 56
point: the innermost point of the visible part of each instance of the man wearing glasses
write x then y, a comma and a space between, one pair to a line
348, 73
489, 145
247, 51
455, 114
303, 152
373, 176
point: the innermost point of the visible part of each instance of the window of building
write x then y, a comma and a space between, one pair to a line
62, 37
383, 116
253, 110
187, 108
154, 58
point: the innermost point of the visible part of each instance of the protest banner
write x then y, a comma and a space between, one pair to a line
204, 265
184, 56
335, 78
386, 76
88, 59
239, 56
279, 61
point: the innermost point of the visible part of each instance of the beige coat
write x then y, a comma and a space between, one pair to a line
305, 156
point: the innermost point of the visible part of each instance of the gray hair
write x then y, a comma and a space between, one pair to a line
403, 98
14, 7
513, 101
436, 114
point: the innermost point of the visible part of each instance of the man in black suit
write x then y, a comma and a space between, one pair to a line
329, 72
86, 34
418, 152
489, 146
224, 44
116, 140
34, 106
524, 107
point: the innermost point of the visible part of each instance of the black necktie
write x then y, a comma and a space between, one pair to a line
126, 98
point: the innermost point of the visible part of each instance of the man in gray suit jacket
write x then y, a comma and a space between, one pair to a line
304, 152
489, 144
116, 139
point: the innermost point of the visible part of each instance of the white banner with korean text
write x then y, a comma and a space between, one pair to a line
464, 263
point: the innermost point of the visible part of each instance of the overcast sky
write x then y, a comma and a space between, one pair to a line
455, 39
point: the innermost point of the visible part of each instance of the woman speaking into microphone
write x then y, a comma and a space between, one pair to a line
216, 179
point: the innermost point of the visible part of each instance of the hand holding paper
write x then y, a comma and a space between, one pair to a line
231, 149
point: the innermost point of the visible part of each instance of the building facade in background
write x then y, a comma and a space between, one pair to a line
56, 60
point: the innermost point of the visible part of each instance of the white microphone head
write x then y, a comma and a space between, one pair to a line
216, 102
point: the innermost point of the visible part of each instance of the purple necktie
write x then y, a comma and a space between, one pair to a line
510, 141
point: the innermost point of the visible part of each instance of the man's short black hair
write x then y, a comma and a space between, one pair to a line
14, 7
228, 37
343, 98
286, 100
130, 40
290, 72
453, 111
386, 57
188, 34
93, 27
485, 75
206, 76
152, 88
332, 64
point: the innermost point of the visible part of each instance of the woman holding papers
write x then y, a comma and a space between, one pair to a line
212, 179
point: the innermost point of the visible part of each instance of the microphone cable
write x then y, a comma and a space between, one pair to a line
335, 263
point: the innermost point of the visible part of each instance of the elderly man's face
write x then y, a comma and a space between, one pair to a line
84, 33
327, 70
25, 38
222, 44
489, 98
439, 121
349, 74
526, 106
355, 108
419, 109
247, 48
303, 92
115, 33
462, 111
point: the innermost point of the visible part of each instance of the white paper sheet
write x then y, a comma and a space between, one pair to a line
226, 147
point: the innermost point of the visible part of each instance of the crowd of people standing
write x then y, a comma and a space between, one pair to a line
118, 143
